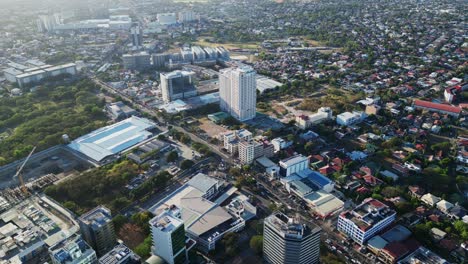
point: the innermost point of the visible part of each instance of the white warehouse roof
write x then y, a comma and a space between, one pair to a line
113, 139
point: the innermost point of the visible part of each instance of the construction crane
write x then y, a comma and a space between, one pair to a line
20, 175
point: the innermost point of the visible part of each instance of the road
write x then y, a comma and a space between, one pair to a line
282, 198
153, 114
328, 233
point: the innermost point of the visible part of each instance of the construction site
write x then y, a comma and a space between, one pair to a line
35, 172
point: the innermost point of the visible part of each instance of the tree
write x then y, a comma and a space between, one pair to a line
172, 156
229, 242
256, 243
118, 221
186, 164
144, 249
390, 191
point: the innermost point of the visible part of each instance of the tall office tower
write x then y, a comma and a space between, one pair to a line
238, 92
72, 250
98, 230
168, 235
136, 34
177, 85
286, 241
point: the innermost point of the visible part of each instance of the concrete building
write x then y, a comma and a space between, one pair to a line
246, 152
287, 241
25, 76
159, 60
293, 164
177, 85
139, 61
323, 114
98, 230
366, 220
168, 233
205, 221
231, 139
167, 18
423, 255
279, 144
119, 110
187, 16
208, 186
120, 254
136, 35
31, 227
238, 92
73, 250
198, 53
439, 108
348, 118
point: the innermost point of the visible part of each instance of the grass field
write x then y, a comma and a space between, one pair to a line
202, 41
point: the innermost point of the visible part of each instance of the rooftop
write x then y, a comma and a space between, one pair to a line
71, 249
289, 227
31, 225
369, 213
293, 160
119, 254
423, 255
97, 217
436, 106
113, 139
202, 182
166, 222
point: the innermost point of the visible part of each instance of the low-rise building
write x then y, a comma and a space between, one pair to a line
439, 108
423, 255
365, 220
350, 118
119, 110
120, 254
279, 144
430, 199
73, 250
293, 164
323, 114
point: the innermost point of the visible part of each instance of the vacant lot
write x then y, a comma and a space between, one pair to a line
210, 128
207, 42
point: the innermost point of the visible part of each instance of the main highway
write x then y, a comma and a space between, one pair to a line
327, 231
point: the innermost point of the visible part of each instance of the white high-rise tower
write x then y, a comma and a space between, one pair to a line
238, 92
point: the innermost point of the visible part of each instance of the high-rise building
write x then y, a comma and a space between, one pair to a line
167, 18
186, 16
177, 85
73, 250
159, 60
238, 92
139, 61
368, 218
136, 34
98, 230
168, 233
287, 241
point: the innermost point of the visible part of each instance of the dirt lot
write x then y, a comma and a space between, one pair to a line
210, 128
132, 235
202, 42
